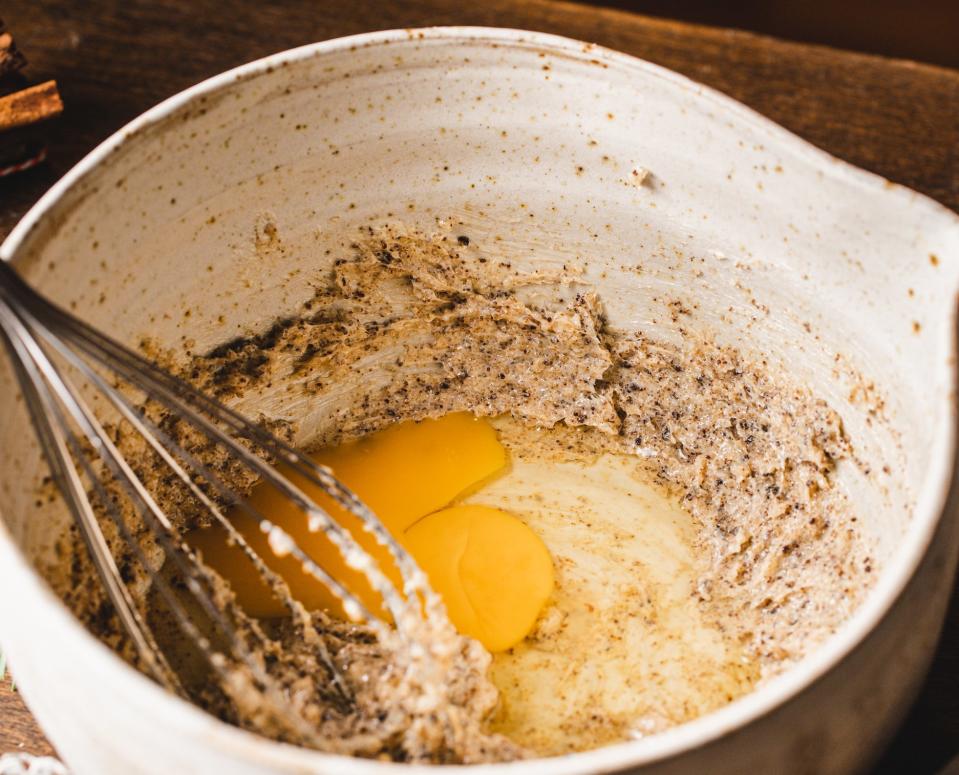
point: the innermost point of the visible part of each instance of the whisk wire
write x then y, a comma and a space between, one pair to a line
54, 444
183, 398
97, 437
35, 370
165, 448
30, 324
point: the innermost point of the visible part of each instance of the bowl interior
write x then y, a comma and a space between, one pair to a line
214, 219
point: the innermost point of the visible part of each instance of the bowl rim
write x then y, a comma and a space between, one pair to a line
893, 578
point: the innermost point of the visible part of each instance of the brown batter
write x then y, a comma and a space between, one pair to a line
406, 327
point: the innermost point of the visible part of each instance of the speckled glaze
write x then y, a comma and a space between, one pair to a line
209, 215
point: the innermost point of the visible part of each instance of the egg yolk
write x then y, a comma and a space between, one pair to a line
492, 572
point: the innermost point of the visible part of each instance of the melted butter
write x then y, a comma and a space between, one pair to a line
623, 648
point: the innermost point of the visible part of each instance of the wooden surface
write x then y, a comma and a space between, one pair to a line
113, 60
18, 730
915, 29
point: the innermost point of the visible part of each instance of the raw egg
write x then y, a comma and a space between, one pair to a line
493, 573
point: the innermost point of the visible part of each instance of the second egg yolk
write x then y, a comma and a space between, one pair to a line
492, 572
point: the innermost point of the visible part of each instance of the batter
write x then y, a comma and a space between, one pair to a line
684, 493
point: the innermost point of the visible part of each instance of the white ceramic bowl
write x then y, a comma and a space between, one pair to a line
532, 141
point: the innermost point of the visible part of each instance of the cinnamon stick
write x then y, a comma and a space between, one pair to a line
11, 59
30, 106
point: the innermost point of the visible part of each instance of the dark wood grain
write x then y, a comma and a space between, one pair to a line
113, 59
18, 730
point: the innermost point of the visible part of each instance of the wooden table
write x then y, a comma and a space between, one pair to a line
115, 58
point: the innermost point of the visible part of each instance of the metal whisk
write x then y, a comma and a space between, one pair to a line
87, 466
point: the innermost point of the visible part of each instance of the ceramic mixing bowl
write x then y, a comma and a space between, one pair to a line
545, 149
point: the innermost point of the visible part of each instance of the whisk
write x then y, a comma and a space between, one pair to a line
49, 348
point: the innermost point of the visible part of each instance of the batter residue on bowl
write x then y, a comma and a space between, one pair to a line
684, 492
